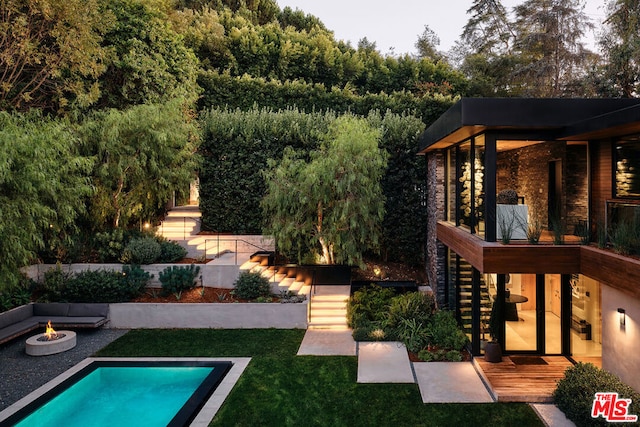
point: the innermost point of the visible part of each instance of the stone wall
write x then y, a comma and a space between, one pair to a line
577, 186
436, 262
526, 170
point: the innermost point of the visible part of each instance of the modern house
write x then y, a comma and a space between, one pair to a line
547, 261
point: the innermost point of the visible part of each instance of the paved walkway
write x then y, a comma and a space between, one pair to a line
384, 362
388, 362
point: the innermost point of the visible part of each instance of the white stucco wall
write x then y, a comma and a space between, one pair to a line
621, 344
222, 316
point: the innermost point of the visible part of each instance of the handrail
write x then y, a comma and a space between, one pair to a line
236, 240
184, 224
312, 290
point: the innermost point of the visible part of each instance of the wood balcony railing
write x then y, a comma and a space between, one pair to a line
620, 272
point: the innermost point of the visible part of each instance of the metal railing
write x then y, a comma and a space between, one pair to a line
235, 250
196, 221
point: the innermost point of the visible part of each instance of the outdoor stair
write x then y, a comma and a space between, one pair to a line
464, 298
282, 278
329, 307
181, 222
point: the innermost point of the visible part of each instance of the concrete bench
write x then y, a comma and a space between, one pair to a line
26, 318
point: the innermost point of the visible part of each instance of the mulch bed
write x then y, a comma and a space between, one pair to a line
196, 295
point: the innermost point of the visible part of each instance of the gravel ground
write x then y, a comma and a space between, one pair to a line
20, 373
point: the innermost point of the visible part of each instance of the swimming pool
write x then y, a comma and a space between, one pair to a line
126, 393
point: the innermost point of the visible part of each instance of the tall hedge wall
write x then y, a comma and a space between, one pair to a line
226, 91
236, 145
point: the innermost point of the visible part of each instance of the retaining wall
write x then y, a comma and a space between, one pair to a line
203, 315
212, 275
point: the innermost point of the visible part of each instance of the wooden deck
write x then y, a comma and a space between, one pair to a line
509, 382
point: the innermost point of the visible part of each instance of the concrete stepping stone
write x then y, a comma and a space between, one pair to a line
384, 362
327, 342
450, 382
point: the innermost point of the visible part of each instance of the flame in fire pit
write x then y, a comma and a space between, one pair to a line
50, 333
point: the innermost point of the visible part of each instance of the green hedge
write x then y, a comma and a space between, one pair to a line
246, 92
236, 146
576, 391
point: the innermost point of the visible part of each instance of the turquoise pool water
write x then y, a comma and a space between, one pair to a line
122, 396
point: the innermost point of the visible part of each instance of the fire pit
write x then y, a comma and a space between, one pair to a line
50, 342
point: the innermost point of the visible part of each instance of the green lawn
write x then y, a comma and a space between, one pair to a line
279, 388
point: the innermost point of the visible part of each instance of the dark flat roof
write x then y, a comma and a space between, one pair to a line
567, 118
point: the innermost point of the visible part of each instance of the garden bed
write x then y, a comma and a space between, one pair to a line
196, 295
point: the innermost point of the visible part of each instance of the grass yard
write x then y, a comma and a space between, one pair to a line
279, 388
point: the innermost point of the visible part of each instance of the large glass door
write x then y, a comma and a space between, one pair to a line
521, 324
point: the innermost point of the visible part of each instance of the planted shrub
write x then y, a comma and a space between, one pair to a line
176, 280
371, 332
440, 355
445, 333
98, 286
625, 237
251, 285
141, 250
17, 295
51, 288
411, 305
136, 278
109, 245
369, 304
576, 391
170, 252
413, 333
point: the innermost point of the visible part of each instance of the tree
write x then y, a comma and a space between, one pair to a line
333, 203
488, 30
150, 62
427, 45
548, 42
43, 188
51, 53
620, 44
143, 155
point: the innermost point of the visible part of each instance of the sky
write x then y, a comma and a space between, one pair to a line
398, 24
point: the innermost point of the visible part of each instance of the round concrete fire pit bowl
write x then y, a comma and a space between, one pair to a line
36, 347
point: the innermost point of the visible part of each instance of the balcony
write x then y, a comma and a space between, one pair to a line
619, 271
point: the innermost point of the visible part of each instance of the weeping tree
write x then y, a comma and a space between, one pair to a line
43, 187
331, 202
142, 156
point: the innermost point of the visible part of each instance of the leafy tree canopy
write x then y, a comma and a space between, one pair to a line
332, 203
142, 155
51, 53
43, 187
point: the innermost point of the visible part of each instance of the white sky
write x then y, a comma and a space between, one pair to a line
398, 23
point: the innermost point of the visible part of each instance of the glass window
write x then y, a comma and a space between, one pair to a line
586, 318
465, 204
627, 168
451, 185
478, 174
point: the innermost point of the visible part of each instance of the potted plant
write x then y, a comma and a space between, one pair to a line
493, 350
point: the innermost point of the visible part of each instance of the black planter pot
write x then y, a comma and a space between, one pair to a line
493, 352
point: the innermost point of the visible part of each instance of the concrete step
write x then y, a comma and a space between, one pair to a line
248, 265
304, 290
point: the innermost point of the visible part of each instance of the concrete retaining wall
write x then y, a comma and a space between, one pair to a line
214, 276
215, 316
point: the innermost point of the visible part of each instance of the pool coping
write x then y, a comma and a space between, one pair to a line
203, 418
